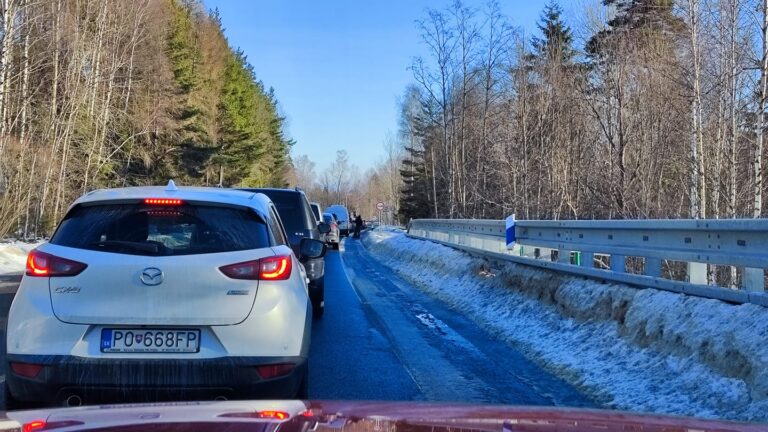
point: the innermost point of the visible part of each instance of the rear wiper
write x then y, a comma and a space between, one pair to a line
121, 244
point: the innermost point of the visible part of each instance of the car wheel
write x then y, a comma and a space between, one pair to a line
303, 392
335, 246
318, 298
318, 309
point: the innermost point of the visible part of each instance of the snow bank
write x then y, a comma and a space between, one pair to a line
637, 350
13, 256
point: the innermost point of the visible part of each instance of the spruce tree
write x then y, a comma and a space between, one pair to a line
652, 17
190, 137
556, 43
414, 197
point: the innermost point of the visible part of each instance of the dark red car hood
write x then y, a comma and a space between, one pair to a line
316, 416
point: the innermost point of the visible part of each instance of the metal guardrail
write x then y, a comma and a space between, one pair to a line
741, 243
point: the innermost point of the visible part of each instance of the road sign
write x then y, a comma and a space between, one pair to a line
380, 206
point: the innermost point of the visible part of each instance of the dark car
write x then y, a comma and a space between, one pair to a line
300, 222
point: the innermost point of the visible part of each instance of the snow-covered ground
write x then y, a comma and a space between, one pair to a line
13, 256
637, 350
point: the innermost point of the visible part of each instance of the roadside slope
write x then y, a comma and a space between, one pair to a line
638, 350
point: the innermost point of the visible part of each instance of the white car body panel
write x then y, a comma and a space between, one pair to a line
216, 195
188, 284
270, 321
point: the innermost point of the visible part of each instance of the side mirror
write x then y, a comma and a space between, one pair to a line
324, 228
311, 248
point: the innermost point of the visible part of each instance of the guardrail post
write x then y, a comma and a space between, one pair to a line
588, 259
653, 267
753, 279
697, 273
618, 263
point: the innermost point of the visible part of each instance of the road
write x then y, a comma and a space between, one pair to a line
382, 339
395, 342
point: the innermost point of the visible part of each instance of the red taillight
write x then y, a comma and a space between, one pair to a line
268, 414
276, 370
271, 268
44, 264
28, 370
275, 268
280, 415
34, 425
163, 201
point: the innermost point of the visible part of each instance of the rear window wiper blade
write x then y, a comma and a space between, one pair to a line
122, 244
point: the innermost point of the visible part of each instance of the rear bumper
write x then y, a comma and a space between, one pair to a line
122, 380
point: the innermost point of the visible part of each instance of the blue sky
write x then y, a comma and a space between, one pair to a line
338, 67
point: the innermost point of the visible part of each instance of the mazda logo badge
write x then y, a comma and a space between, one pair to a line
151, 276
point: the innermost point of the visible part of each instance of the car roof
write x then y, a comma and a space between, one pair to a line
338, 208
205, 194
269, 190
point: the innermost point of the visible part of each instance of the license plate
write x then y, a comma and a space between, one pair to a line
150, 340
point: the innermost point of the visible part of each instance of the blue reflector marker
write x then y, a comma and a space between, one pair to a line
511, 232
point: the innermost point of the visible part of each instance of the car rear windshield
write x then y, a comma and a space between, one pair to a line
292, 211
327, 218
139, 229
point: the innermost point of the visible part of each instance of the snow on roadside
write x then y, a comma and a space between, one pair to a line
13, 256
615, 361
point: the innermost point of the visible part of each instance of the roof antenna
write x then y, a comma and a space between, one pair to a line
171, 186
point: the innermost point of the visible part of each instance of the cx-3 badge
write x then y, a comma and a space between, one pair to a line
151, 276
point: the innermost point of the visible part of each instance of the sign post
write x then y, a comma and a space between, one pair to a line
380, 207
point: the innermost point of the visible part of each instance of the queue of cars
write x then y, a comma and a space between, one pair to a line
166, 291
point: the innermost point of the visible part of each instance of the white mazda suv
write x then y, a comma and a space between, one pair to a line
153, 293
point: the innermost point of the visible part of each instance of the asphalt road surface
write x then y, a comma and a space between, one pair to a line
382, 339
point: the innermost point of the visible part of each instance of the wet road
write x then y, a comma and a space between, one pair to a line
350, 358
382, 339
446, 356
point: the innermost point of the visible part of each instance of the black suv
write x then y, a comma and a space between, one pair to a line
299, 222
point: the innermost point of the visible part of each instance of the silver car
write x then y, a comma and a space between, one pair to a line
332, 238
317, 213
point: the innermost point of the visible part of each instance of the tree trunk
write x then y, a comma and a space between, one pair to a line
757, 163
51, 133
9, 10
698, 178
